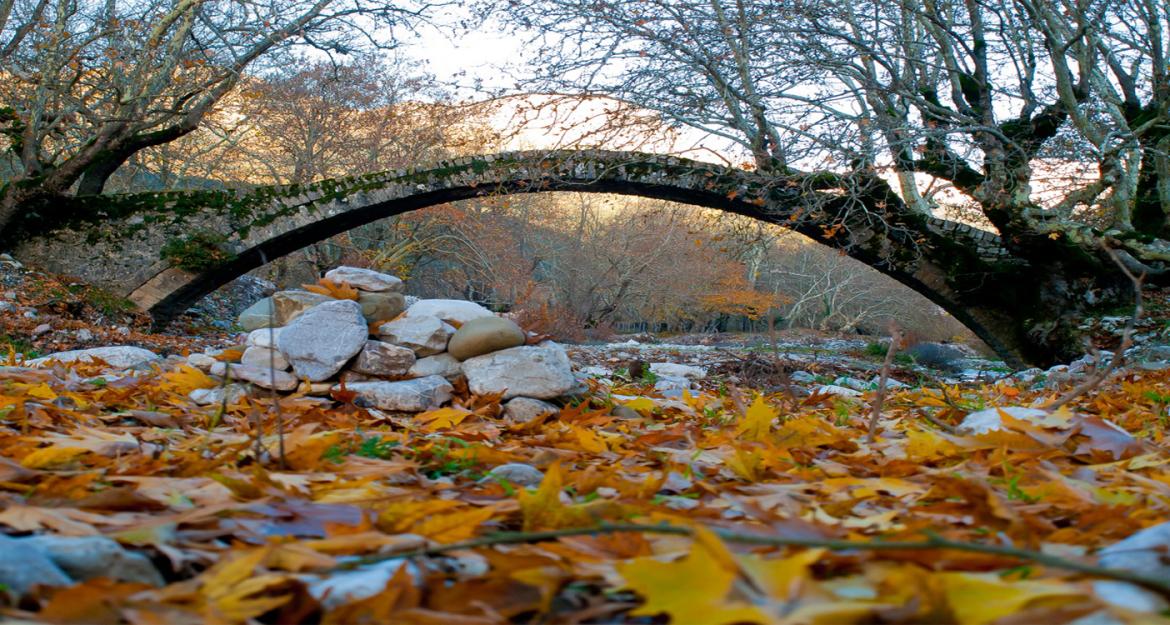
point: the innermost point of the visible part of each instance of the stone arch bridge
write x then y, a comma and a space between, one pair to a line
118, 241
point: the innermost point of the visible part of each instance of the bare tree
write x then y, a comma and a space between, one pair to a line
86, 85
988, 97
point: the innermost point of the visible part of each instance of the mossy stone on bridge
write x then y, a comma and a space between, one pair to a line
166, 250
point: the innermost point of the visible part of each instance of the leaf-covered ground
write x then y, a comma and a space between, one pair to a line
733, 474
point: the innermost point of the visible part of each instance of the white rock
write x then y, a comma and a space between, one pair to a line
383, 359
988, 420
88, 557
116, 356
839, 391
292, 304
202, 362
23, 566
516, 474
425, 334
264, 357
349, 586
525, 409
541, 371
364, 279
260, 376
597, 372
258, 315
84, 335
675, 370
890, 383
853, 383
406, 396
264, 337
1142, 552
214, 396
457, 310
667, 383
322, 339
1129, 596
802, 377
443, 364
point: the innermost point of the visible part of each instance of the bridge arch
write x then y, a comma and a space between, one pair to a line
266, 223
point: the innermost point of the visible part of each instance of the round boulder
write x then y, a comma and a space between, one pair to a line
483, 336
322, 339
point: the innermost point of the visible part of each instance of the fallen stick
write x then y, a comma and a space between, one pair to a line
931, 541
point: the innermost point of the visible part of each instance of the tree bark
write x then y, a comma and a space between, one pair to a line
97, 174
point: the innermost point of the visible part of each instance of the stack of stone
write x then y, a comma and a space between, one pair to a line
392, 356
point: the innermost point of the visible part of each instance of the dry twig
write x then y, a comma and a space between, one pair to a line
880, 399
930, 541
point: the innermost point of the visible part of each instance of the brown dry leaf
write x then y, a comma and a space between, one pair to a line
332, 289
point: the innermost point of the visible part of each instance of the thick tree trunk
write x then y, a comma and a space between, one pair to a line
94, 180
104, 164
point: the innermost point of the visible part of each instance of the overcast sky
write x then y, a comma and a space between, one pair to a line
487, 56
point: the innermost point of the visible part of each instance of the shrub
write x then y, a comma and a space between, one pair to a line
198, 251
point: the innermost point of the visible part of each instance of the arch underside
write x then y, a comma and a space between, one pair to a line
188, 289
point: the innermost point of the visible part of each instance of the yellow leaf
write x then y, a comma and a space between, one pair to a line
757, 423
234, 591
589, 441
923, 446
543, 509
983, 598
641, 404
41, 391
745, 464
810, 431
231, 354
185, 379
220, 579
48, 456
695, 589
248, 599
443, 418
454, 527
399, 516
781, 577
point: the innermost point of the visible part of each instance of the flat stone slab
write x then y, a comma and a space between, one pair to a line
440, 364
675, 370
425, 334
541, 371
260, 376
264, 357
364, 279
457, 310
383, 359
116, 356
415, 395
263, 337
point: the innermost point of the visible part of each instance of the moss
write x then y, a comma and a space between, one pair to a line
198, 251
